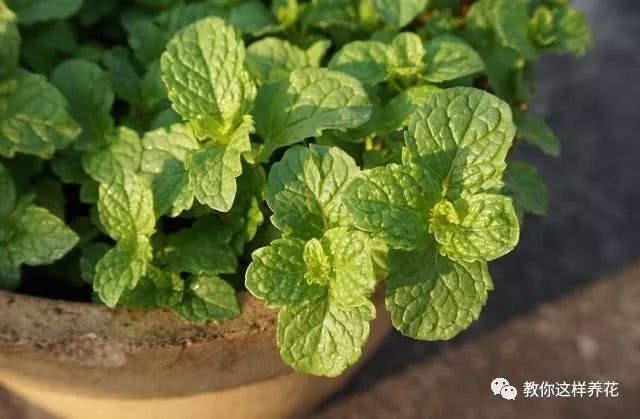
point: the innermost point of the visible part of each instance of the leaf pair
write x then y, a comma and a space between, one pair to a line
445, 58
439, 210
320, 273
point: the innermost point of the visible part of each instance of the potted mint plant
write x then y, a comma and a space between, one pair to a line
198, 198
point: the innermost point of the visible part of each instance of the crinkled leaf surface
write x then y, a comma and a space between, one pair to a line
309, 102
203, 69
306, 188
393, 203
33, 117
272, 59
478, 227
431, 297
213, 169
462, 135
126, 207
165, 151
322, 338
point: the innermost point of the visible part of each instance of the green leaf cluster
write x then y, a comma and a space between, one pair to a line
166, 154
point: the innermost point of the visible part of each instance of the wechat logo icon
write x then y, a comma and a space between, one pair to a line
500, 386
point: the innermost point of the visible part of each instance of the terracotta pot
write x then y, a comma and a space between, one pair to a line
80, 360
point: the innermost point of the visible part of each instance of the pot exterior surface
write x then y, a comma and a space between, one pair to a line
75, 358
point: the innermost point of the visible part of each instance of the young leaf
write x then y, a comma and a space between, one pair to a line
277, 275
203, 69
523, 183
449, 58
164, 156
309, 102
504, 22
409, 54
463, 135
121, 268
479, 227
393, 203
398, 13
431, 297
536, 132
208, 298
88, 89
122, 152
368, 61
34, 11
306, 188
273, 59
33, 117
126, 207
213, 169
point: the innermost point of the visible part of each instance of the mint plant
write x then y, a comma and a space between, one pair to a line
168, 154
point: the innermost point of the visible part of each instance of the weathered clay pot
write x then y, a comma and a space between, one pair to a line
81, 360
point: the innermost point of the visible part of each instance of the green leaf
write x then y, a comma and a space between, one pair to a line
121, 268
214, 168
562, 30
431, 297
399, 13
209, 298
125, 207
33, 117
462, 135
125, 81
351, 275
163, 158
306, 188
7, 192
277, 274
203, 249
273, 59
253, 17
449, 58
203, 69
309, 102
393, 203
33, 11
368, 61
505, 22
9, 42
88, 89
122, 152
157, 288
285, 11
40, 238
409, 54
322, 338
535, 131
523, 183
398, 112
478, 227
